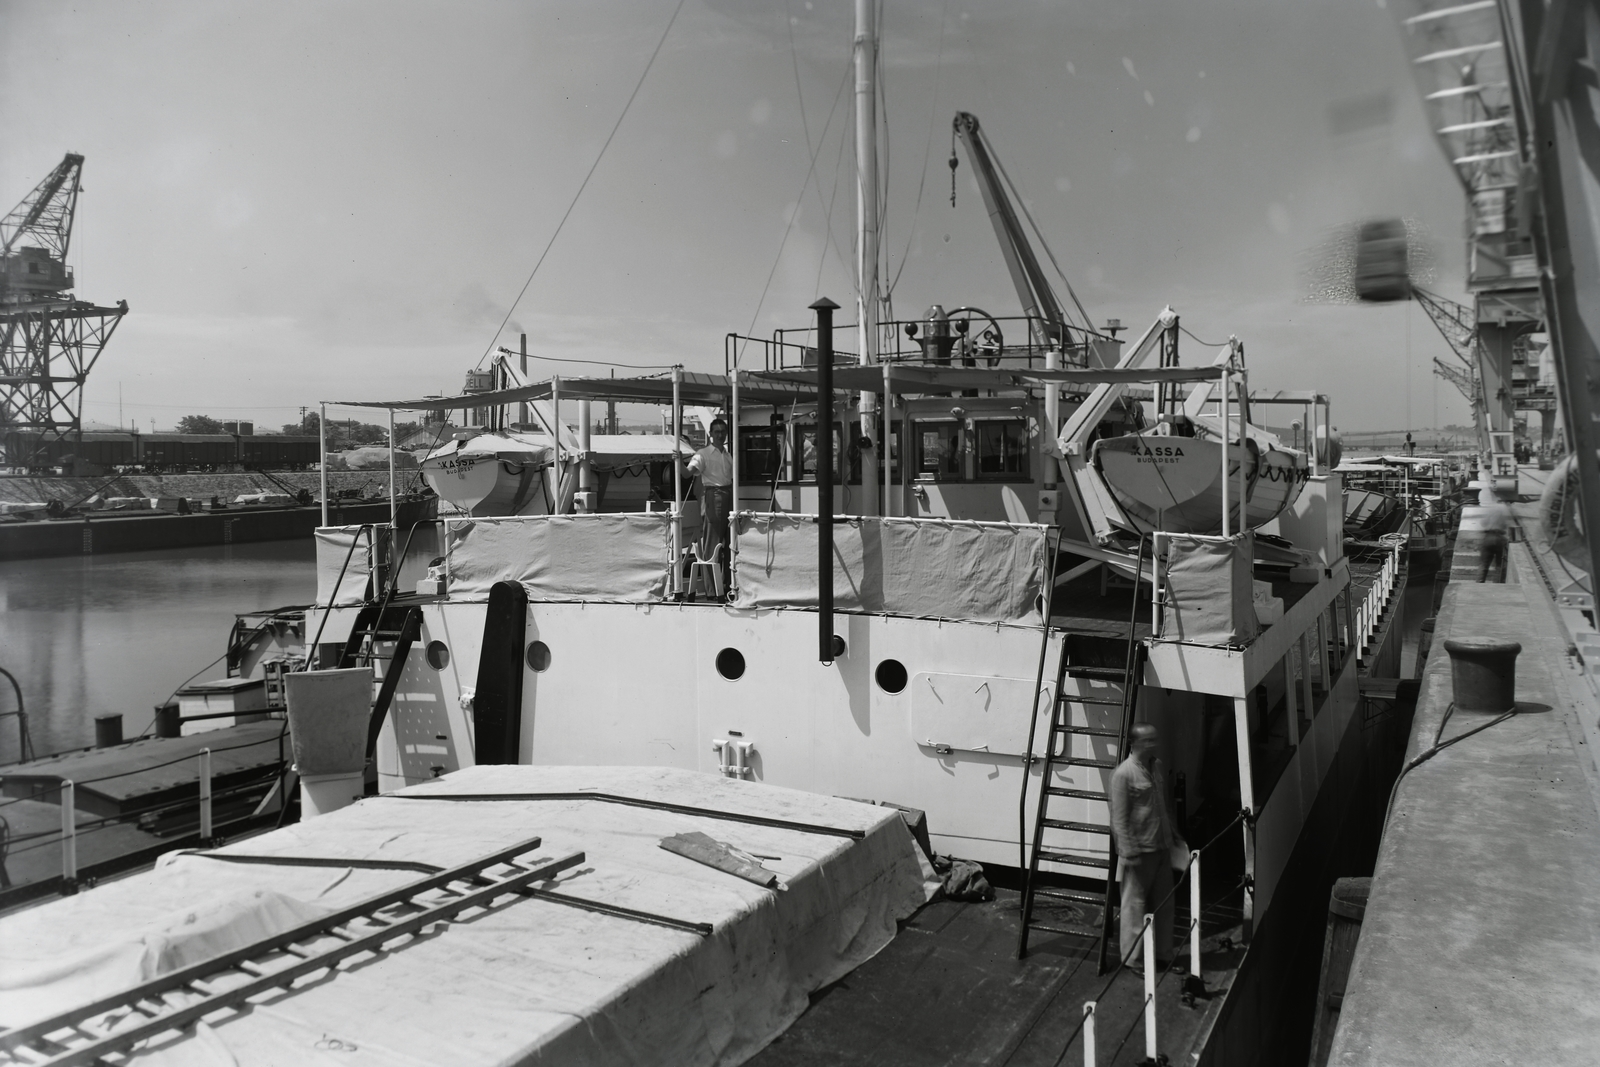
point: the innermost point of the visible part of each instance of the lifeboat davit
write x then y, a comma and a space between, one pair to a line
1174, 483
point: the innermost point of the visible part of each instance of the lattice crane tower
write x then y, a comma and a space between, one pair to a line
49, 341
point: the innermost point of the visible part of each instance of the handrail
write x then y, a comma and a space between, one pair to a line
1038, 686
1146, 945
311, 650
1369, 616
203, 804
24, 740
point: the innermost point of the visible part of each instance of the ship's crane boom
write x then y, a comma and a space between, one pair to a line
1046, 314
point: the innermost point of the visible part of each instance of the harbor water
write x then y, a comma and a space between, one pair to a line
113, 634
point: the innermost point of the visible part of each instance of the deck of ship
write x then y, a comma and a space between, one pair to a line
1481, 939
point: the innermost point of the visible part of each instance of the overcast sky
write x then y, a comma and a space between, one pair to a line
308, 201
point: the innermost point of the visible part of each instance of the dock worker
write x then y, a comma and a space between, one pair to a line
1495, 521
713, 465
1141, 824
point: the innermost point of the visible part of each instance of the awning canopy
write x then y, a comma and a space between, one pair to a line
1290, 396
789, 386
921, 378
695, 389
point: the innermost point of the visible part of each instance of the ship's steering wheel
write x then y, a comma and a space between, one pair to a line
989, 344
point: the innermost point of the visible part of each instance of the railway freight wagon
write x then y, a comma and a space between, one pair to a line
164, 452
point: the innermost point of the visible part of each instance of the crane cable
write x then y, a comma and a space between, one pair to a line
583, 185
927, 153
1016, 196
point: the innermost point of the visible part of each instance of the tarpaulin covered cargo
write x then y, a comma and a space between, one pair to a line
614, 557
526, 979
927, 568
346, 557
1208, 582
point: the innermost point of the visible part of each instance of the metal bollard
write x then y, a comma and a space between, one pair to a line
69, 833
1150, 988
205, 794
1088, 1034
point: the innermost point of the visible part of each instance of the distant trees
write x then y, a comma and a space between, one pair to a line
345, 433
306, 427
199, 424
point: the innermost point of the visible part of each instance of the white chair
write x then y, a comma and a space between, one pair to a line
700, 566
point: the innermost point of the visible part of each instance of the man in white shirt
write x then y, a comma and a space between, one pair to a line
1142, 826
713, 465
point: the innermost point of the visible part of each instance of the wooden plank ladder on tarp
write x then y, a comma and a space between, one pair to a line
176, 1000
1104, 720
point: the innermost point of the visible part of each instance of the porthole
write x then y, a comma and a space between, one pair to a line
891, 675
538, 656
838, 647
438, 655
730, 664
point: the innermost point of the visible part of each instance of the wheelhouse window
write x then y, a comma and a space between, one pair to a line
974, 450
939, 450
803, 458
1002, 449
760, 453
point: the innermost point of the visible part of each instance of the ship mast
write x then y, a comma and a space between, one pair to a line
866, 58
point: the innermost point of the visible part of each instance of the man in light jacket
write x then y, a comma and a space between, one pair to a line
1142, 826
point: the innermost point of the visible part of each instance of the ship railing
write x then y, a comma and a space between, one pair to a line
969, 337
1193, 981
1369, 615
24, 741
268, 783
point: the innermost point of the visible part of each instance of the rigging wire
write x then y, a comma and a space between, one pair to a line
595, 362
833, 200
584, 184
1208, 344
1016, 194
927, 154
826, 207
793, 218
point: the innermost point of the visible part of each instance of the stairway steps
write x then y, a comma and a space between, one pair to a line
1081, 827
1045, 855
1079, 794
1085, 731
1087, 761
1076, 896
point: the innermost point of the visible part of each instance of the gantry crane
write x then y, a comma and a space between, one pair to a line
1458, 325
49, 341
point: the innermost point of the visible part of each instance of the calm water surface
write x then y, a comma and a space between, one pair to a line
103, 635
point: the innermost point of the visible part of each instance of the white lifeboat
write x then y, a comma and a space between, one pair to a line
1173, 483
494, 473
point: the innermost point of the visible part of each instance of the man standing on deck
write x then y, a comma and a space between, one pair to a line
1142, 828
713, 465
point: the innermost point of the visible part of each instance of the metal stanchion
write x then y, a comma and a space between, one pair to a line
1088, 1034
69, 834
1149, 988
1194, 914
205, 794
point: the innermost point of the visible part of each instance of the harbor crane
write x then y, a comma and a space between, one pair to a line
1457, 324
49, 341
